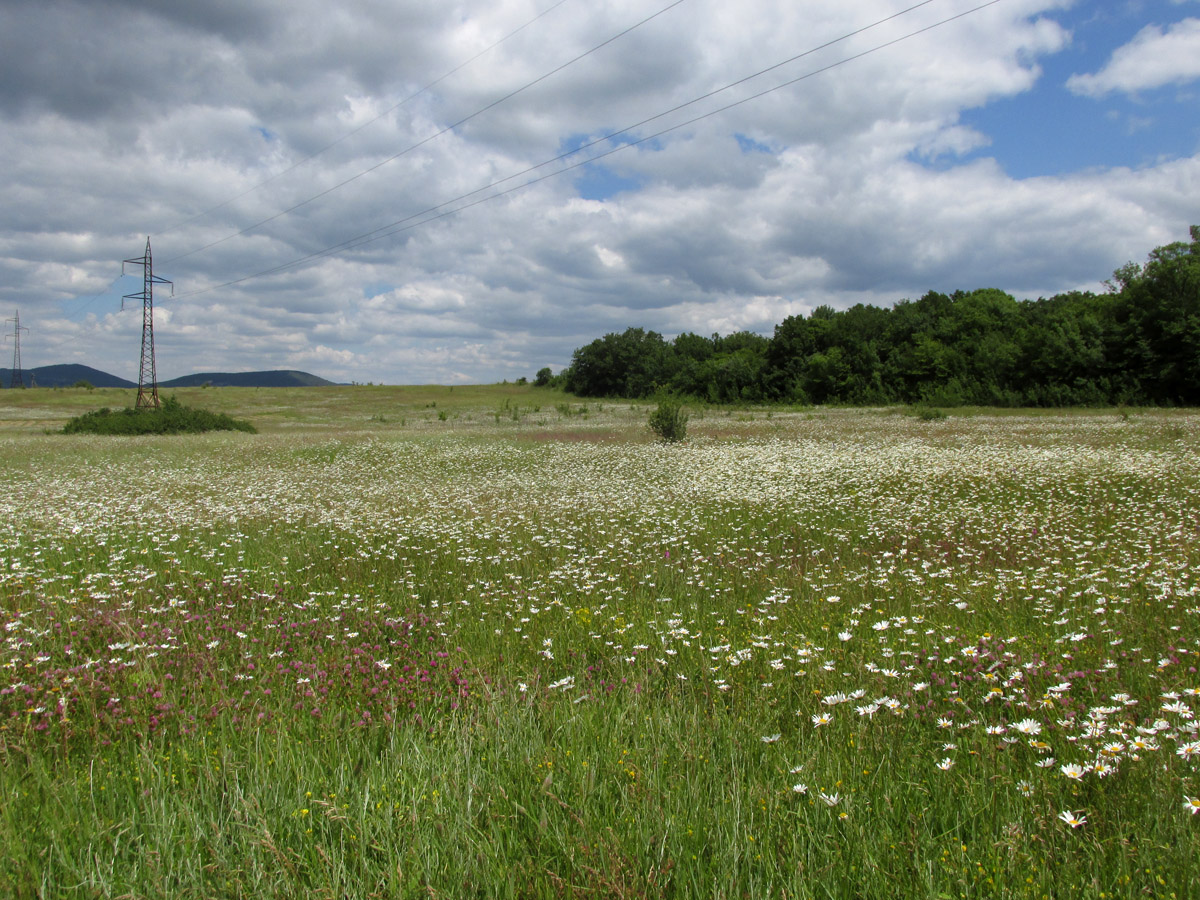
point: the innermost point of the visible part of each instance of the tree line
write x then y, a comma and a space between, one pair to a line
1138, 343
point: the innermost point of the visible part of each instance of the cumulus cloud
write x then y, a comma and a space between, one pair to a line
825, 191
1154, 58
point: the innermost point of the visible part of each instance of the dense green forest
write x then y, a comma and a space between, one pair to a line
1139, 343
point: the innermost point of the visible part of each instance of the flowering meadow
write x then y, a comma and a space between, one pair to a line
524, 650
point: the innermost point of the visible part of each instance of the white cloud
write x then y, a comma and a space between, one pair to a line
823, 200
1153, 58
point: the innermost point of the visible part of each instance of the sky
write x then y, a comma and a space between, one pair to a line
466, 191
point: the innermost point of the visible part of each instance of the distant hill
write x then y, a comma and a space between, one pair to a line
276, 378
68, 375
65, 376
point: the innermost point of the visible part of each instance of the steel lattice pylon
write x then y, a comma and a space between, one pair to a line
17, 380
147, 395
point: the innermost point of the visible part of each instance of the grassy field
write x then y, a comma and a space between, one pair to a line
499, 642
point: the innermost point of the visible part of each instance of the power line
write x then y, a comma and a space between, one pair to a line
85, 302
654, 118
92, 299
366, 124
440, 211
414, 147
436, 135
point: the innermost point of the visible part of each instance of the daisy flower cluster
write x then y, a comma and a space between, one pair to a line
1018, 596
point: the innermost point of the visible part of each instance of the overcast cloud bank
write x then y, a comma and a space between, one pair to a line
862, 183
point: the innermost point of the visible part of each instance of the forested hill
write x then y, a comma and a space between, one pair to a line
1139, 343
73, 374
274, 378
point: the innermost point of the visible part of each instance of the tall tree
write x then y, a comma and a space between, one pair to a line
634, 363
1158, 322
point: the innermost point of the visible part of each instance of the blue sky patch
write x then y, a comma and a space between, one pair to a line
377, 288
749, 145
596, 181
1050, 130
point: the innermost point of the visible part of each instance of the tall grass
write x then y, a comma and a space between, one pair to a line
834, 655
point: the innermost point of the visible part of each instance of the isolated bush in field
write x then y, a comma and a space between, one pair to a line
171, 418
669, 421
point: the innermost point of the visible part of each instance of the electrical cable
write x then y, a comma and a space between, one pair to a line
439, 212
628, 128
85, 302
431, 137
92, 299
355, 131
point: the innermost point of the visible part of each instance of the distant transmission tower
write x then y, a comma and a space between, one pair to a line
18, 378
147, 395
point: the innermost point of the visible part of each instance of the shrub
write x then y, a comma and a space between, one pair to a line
171, 418
669, 421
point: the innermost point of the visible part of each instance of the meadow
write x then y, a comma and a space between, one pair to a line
499, 642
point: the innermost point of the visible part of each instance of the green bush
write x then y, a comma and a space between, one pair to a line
669, 421
171, 418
